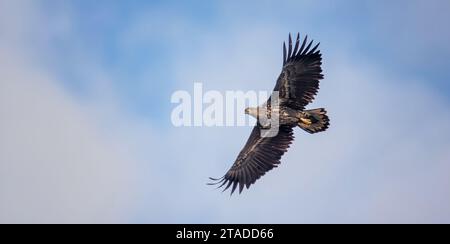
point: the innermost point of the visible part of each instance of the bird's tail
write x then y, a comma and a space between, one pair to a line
314, 120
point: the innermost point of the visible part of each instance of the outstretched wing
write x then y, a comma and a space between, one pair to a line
298, 82
259, 155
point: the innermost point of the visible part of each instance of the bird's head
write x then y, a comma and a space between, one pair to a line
252, 111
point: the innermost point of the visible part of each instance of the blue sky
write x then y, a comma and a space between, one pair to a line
165, 31
85, 91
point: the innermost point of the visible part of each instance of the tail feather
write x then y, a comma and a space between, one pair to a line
314, 120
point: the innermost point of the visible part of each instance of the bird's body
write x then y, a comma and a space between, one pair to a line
286, 115
296, 86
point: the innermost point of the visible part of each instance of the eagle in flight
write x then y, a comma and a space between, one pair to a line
296, 87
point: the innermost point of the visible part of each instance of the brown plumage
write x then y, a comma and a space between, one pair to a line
297, 85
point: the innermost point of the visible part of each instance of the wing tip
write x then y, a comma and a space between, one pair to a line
227, 183
294, 53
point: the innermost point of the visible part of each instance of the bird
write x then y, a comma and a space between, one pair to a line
296, 87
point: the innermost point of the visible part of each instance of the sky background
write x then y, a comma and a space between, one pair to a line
85, 131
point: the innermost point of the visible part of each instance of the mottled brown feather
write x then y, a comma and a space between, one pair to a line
298, 82
259, 155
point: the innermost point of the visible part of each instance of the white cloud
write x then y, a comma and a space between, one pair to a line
56, 165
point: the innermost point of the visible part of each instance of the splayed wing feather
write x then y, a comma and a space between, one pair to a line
290, 47
298, 82
303, 44
259, 155
297, 42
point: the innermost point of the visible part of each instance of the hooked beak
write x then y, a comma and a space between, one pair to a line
247, 111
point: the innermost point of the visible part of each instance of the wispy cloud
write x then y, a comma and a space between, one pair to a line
56, 163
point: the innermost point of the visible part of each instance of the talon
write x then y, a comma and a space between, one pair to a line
306, 121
